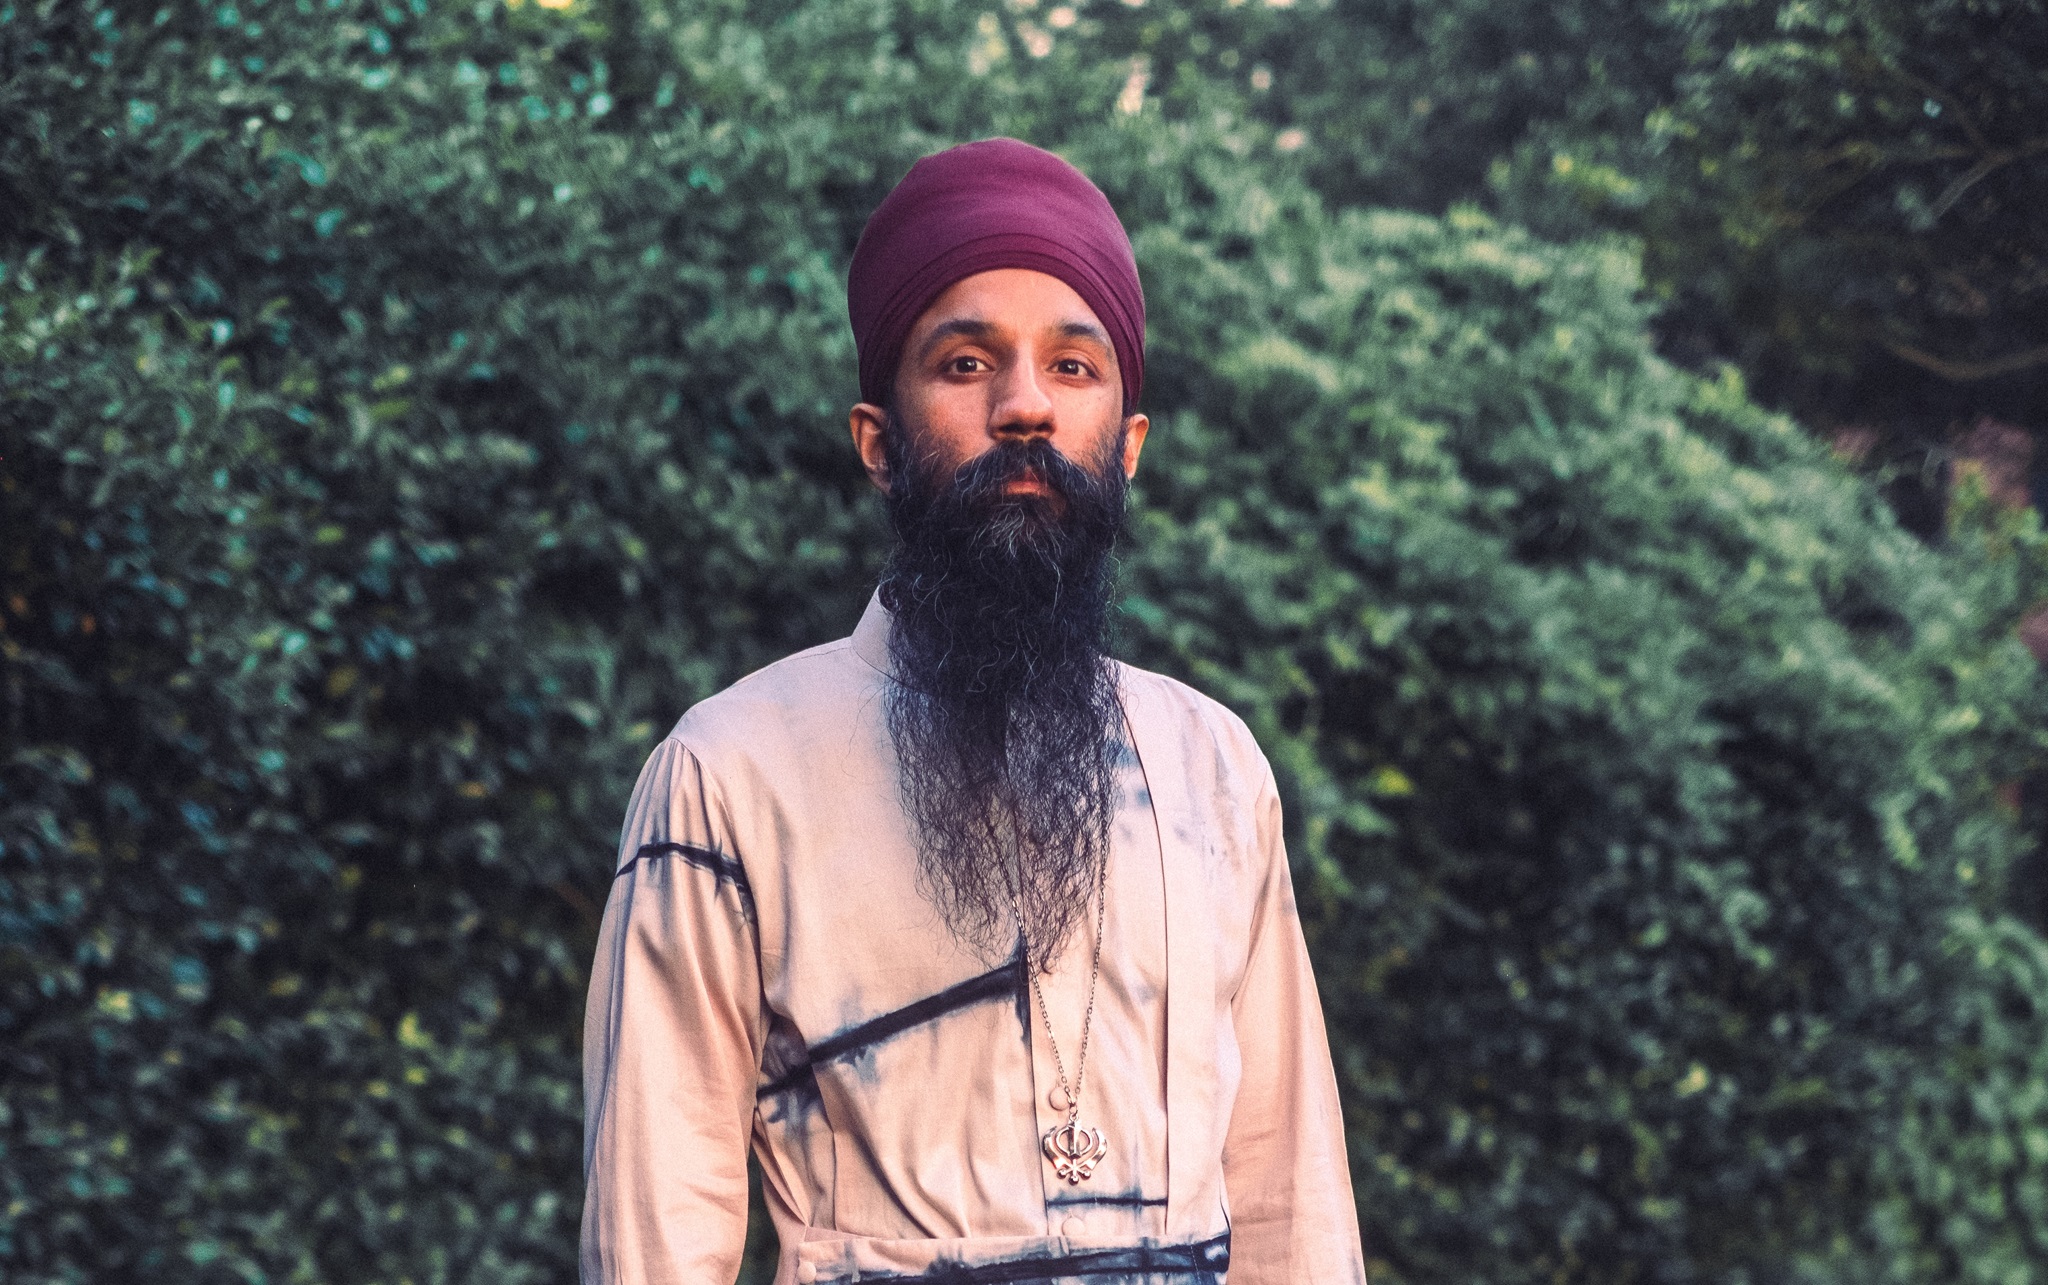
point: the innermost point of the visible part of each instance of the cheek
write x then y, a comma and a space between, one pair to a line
1102, 444
938, 457
952, 423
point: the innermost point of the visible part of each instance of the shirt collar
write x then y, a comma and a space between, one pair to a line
871, 635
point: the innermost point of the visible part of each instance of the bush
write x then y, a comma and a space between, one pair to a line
406, 412
1643, 766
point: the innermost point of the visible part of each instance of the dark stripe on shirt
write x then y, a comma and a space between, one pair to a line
1004, 983
1204, 1260
1121, 1202
727, 869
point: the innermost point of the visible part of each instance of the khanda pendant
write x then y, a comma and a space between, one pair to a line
1074, 1150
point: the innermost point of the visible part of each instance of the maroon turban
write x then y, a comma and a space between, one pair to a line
998, 203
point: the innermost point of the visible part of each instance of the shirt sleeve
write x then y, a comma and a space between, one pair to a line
672, 1043
1293, 1221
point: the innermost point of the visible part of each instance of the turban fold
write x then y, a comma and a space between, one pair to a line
994, 204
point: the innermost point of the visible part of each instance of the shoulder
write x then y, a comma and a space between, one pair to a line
1171, 693
1213, 793
1199, 722
777, 702
735, 755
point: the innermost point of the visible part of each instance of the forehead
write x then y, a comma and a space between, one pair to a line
1009, 299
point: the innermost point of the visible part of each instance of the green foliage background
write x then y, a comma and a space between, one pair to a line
406, 410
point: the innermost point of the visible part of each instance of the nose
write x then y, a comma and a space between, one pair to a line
1022, 409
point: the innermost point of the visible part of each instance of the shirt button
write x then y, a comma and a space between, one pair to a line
1058, 1098
807, 1272
1075, 1225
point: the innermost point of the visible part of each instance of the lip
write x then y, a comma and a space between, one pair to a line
1029, 484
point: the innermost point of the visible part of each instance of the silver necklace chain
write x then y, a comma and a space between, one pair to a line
1073, 1091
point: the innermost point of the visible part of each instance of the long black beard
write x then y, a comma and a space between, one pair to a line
1006, 721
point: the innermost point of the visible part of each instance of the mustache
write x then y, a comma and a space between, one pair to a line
969, 522
985, 479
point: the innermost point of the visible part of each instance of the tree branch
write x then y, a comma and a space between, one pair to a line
1875, 156
1964, 372
1995, 161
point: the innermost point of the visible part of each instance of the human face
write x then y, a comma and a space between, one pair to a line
1009, 355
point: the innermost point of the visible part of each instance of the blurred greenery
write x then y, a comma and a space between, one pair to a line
406, 410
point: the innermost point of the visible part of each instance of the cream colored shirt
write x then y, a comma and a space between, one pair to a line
768, 970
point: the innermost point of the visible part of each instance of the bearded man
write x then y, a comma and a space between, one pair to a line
985, 940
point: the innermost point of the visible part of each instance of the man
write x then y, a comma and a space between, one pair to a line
986, 940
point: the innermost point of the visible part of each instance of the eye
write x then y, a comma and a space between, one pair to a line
965, 365
1072, 366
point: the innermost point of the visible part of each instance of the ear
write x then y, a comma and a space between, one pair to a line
1135, 428
869, 423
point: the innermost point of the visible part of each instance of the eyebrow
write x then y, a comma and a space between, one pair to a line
976, 328
1085, 330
